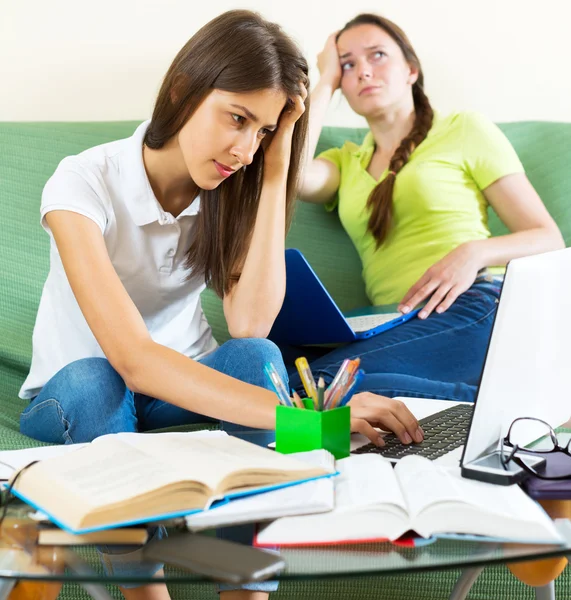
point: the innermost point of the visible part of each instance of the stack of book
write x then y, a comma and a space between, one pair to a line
107, 491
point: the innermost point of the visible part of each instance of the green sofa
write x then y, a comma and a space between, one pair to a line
30, 152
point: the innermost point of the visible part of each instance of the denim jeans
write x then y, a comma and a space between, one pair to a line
439, 357
88, 398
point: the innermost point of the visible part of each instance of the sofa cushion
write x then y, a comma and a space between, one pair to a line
30, 153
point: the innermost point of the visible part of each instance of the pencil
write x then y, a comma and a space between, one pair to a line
320, 393
296, 399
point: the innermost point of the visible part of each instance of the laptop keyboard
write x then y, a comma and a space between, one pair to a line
366, 322
444, 431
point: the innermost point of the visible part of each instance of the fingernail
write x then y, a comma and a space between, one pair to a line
439, 309
380, 441
405, 309
422, 315
418, 436
406, 438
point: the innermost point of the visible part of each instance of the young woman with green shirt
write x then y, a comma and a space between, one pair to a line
413, 198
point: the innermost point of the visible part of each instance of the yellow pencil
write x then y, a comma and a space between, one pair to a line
306, 377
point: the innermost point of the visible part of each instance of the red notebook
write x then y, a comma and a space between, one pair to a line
409, 540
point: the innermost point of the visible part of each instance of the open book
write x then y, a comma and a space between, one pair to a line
121, 480
305, 498
374, 502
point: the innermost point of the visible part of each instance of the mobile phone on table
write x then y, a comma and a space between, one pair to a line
490, 469
218, 559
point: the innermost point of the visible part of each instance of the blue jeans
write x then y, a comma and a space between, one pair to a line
439, 357
88, 398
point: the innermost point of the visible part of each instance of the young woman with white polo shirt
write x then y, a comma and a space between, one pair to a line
139, 226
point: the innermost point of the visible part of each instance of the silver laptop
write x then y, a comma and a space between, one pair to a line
527, 370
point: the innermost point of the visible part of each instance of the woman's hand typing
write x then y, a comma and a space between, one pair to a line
370, 410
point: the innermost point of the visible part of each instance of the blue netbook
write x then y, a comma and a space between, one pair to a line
309, 314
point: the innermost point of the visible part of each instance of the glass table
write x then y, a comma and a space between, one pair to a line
22, 560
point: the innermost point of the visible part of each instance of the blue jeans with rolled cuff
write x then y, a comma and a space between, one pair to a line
439, 357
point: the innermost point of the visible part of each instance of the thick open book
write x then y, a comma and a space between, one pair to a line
375, 502
305, 498
121, 480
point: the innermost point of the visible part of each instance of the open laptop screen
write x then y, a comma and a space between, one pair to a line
526, 372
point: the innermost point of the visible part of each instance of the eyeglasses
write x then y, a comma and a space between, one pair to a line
526, 429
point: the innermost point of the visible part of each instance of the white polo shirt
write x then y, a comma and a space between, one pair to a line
147, 247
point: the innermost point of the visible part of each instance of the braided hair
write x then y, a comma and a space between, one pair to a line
380, 201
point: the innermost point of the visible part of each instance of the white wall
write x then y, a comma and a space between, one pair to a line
104, 60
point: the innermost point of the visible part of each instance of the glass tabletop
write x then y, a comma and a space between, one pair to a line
21, 558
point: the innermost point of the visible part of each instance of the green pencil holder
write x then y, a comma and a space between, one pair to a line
299, 430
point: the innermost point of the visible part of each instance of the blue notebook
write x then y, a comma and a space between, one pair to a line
309, 314
114, 483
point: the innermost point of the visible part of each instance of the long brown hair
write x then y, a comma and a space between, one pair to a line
380, 202
238, 52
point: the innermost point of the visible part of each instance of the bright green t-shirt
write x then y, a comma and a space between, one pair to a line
438, 202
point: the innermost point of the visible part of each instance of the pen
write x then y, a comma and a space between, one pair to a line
306, 377
335, 383
352, 387
340, 383
349, 378
277, 384
320, 393
343, 384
